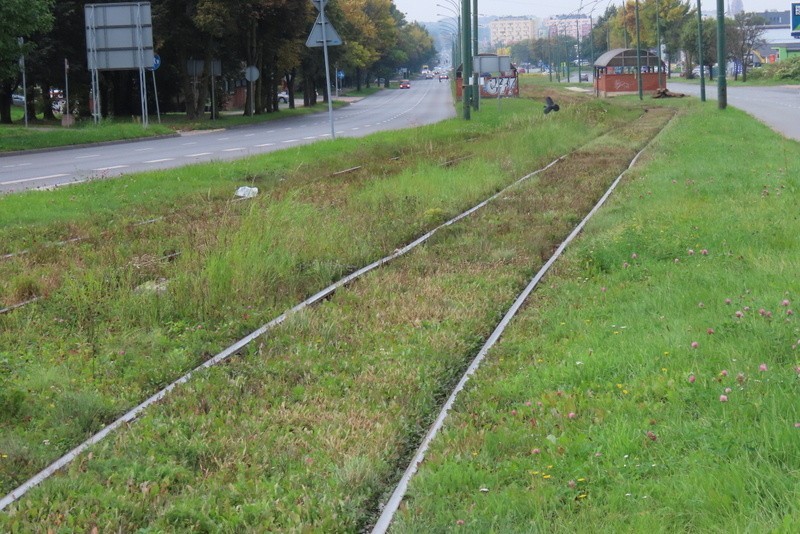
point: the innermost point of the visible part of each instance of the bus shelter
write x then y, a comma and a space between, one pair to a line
615, 72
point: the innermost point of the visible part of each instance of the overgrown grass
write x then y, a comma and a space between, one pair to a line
651, 384
307, 428
240, 264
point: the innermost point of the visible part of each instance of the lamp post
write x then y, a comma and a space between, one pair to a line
700, 52
466, 68
722, 83
638, 53
476, 93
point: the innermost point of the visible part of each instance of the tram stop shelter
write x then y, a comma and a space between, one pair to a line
615, 72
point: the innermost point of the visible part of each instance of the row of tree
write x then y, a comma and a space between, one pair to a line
269, 34
675, 21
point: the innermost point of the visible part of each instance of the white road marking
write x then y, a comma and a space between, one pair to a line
17, 165
160, 160
266, 144
110, 168
142, 149
249, 135
34, 179
87, 157
189, 144
234, 149
312, 137
198, 155
222, 138
289, 141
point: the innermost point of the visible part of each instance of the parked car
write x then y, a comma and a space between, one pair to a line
18, 100
405, 84
443, 77
283, 97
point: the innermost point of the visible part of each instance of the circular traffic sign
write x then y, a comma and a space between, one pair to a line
156, 61
251, 73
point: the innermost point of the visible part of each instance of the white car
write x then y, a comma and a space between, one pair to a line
283, 96
18, 100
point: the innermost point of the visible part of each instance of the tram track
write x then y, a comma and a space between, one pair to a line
233, 349
237, 347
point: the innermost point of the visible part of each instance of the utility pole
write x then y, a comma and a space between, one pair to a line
658, 43
578, 35
466, 64
638, 53
476, 92
722, 83
700, 52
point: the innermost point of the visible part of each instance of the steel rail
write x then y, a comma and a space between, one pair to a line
390, 508
134, 412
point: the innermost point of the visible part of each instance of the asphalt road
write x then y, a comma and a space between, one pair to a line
427, 101
777, 106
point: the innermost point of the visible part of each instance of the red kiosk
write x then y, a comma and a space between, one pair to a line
615, 72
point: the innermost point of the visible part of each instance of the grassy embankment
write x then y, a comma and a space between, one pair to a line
41, 135
94, 347
652, 382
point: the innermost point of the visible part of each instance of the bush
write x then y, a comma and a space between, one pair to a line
788, 69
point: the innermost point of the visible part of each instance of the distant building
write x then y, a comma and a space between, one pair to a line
775, 19
511, 30
568, 25
735, 7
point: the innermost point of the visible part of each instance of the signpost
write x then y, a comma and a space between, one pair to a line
153, 69
119, 36
324, 34
21, 42
794, 17
251, 74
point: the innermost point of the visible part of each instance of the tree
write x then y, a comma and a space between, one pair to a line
18, 18
744, 36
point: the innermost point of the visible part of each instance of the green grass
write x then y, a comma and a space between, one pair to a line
700, 230
310, 426
41, 135
307, 428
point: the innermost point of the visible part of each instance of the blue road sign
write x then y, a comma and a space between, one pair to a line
340, 74
156, 61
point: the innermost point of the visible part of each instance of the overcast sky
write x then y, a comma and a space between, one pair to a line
427, 10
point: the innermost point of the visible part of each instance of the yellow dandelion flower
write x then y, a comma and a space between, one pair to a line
582, 496
546, 477
624, 391
581, 480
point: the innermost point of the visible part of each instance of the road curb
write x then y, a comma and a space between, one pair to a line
86, 145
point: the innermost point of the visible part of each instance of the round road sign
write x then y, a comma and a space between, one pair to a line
251, 73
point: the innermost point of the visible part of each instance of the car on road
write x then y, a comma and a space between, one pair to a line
18, 100
405, 84
443, 77
283, 97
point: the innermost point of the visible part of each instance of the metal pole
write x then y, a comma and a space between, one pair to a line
21, 41
700, 52
578, 34
658, 43
566, 53
155, 92
475, 88
722, 83
327, 69
66, 89
638, 53
466, 60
